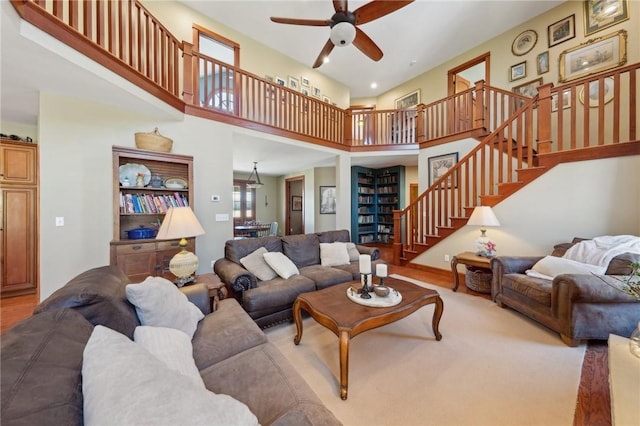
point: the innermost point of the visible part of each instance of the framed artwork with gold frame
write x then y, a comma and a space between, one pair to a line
599, 14
593, 56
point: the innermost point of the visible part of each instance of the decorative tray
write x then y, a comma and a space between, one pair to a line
175, 183
376, 301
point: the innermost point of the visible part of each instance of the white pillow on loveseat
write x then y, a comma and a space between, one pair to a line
159, 303
334, 254
550, 266
281, 264
123, 384
255, 263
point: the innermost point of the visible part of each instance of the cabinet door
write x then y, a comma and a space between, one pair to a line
137, 261
18, 164
19, 242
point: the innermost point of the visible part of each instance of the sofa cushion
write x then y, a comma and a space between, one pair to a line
224, 333
99, 295
281, 264
326, 276
354, 254
234, 250
124, 384
276, 295
255, 263
303, 250
341, 235
40, 369
159, 303
550, 266
536, 289
332, 254
170, 346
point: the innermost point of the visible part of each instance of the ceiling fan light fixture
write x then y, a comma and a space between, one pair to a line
343, 34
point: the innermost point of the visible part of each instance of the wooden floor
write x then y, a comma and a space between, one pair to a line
593, 407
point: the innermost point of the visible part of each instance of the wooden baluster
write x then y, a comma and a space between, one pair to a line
544, 117
632, 105
189, 73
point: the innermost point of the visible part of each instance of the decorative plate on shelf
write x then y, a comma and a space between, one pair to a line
175, 183
130, 172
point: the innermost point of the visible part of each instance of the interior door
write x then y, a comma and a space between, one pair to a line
461, 109
294, 206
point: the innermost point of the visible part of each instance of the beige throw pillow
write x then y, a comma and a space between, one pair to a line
256, 264
550, 266
334, 254
281, 264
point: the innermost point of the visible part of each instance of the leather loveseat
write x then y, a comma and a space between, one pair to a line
42, 359
579, 306
271, 301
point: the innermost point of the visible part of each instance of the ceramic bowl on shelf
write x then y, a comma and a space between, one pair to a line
175, 183
141, 233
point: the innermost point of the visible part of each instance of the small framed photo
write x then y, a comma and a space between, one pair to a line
296, 203
281, 81
293, 83
305, 81
594, 92
593, 56
529, 89
524, 42
441, 164
561, 31
518, 71
305, 90
599, 14
327, 200
326, 99
542, 62
315, 92
410, 100
566, 100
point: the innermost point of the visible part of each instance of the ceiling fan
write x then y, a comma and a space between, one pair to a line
344, 26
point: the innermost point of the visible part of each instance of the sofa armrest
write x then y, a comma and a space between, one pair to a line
374, 252
502, 265
587, 288
198, 294
234, 276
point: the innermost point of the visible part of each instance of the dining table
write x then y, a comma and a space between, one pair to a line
252, 231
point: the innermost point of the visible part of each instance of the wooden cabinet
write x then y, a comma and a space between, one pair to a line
376, 193
145, 206
19, 209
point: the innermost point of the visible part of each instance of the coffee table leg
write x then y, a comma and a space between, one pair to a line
437, 314
298, 320
344, 363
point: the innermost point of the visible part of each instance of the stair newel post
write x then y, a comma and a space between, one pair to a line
420, 123
187, 75
479, 105
544, 118
348, 127
397, 236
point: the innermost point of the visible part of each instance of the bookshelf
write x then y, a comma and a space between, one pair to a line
137, 206
376, 193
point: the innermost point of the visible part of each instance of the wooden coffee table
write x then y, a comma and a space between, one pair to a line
332, 308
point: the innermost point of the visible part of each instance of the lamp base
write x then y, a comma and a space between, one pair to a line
182, 281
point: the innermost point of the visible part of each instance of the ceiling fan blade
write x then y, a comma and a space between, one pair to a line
366, 45
377, 9
328, 47
340, 5
308, 22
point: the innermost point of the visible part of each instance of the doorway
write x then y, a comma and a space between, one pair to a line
294, 205
460, 79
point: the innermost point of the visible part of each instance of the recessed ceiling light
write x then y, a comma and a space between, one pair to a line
374, 85
326, 59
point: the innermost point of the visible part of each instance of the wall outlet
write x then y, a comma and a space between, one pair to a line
446, 258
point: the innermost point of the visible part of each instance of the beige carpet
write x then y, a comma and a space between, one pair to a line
492, 367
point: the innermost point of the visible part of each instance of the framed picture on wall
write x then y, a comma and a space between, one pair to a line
409, 100
296, 203
440, 165
524, 42
542, 62
561, 31
593, 56
327, 200
518, 71
599, 14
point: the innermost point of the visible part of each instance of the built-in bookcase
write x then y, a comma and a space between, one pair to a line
375, 193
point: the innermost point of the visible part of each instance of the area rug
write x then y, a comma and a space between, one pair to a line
492, 367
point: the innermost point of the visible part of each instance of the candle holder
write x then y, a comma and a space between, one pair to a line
364, 291
381, 281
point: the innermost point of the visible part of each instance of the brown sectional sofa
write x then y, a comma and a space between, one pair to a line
578, 306
271, 301
42, 356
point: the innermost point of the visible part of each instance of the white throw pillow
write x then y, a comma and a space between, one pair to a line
172, 347
159, 303
550, 266
123, 384
256, 264
334, 254
354, 254
281, 264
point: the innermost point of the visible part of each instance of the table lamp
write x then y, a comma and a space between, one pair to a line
181, 222
483, 216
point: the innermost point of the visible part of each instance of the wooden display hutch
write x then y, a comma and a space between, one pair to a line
375, 193
19, 189
136, 206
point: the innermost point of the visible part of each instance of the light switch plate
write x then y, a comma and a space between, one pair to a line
222, 217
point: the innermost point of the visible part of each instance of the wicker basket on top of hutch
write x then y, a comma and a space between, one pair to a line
141, 206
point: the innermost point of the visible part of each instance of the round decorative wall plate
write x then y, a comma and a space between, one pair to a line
524, 42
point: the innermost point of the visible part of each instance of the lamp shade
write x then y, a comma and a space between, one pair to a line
483, 216
179, 222
342, 34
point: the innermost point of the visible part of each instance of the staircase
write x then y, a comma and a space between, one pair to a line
505, 160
